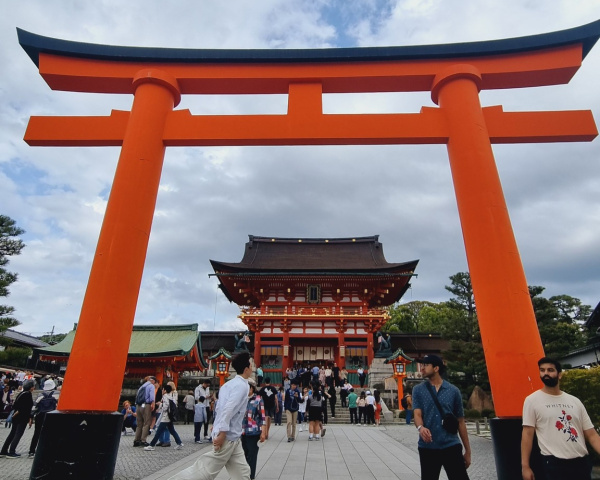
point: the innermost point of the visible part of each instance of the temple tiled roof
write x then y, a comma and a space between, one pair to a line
314, 255
146, 341
22, 339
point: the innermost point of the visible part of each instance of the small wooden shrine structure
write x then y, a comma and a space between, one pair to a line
313, 300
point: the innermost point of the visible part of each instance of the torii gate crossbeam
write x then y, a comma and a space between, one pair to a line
454, 74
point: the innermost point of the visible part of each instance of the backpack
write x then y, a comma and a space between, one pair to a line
173, 412
404, 403
140, 398
47, 403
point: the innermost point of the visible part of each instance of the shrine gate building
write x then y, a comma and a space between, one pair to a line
313, 300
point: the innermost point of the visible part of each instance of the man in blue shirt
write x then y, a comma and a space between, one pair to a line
437, 447
144, 409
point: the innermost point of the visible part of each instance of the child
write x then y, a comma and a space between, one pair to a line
302, 408
200, 418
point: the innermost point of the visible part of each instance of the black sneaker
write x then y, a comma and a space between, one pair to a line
31, 455
13, 455
144, 444
137, 443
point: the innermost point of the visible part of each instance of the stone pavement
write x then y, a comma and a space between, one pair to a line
346, 452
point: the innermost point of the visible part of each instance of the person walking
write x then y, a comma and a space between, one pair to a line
408, 407
199, 419
259, 376
378, 407
362, 408
558, 420
268, 393
315, 413
144, 403
21, 417
46, 401
227, 449
292, 400
353, 407
253, 428
168, 414
362, 376
439, 443
302, 410
370, 409
332, 399
203, 390
279, 411
189, 402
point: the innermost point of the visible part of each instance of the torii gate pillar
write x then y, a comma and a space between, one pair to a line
86, 427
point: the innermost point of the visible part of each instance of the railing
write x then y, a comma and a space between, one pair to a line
295, 311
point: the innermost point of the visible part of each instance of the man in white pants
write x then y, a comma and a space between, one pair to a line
227, 429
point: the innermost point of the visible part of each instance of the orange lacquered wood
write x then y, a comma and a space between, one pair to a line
508, 327
104, 329
535, 68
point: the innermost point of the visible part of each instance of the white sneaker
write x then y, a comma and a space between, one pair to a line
300, 429
179, 447
199, 441
149, 448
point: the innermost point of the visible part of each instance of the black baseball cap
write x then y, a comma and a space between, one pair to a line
432, 360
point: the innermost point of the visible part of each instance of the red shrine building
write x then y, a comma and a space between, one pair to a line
313, 300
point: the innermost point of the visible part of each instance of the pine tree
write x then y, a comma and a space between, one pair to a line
9, 245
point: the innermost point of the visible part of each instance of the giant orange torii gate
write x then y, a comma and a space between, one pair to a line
157, 77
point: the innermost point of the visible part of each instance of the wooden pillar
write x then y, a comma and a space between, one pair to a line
106, 320
509, 333
341, 361
285, 363
257, 348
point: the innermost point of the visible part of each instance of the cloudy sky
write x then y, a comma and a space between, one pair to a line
210, 199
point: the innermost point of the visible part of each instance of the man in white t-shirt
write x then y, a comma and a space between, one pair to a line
559, 420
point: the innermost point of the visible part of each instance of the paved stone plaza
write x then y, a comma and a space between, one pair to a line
346, 452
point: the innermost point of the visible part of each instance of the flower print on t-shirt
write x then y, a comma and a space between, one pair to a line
564, 424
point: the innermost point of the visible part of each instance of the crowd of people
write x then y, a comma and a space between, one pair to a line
243, 410
20, 409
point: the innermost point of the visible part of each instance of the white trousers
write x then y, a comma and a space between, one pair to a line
207, 467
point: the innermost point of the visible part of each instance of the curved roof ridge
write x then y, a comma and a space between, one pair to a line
35, 44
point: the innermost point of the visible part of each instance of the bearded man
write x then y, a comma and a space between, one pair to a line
558, 419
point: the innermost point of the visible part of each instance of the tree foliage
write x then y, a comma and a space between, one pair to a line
53, 339
417, 317
465, 357
559, 319
9, 245
585, 385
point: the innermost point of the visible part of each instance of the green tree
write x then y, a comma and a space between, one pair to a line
53, 339
465, 356
9, 245
559, 320
417, 317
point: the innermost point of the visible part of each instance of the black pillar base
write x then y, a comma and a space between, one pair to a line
78, 445
506, 436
